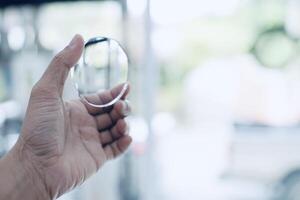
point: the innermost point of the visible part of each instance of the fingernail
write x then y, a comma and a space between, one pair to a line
73, 43
125, 108
127, 130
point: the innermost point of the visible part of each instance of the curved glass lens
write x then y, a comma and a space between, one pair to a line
104, 66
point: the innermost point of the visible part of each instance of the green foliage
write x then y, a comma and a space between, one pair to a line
215, 37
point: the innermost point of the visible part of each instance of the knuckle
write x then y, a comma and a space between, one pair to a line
39, 91
60, 60
36, 89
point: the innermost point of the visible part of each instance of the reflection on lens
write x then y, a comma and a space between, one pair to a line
104, 65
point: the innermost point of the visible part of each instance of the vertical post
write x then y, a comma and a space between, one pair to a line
150, 81
138, 181
150, 70
127, 183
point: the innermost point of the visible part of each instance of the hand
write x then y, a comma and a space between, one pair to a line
63, 143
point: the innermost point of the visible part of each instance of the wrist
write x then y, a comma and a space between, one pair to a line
18, 177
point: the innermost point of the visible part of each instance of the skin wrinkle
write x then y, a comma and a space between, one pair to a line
42, 129
84, 141
88, 119
80, 133
48, 159
105, 119
68, 125
109, 152
104, 134
39, 91
31, 140
115, 152
12, 194
57, 190
115, 132
120, 129
70, 113
110, 133
65, 127
114, 115
60, 61
24, 157
114, 149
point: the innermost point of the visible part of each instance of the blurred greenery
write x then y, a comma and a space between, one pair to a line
208, 38
274, 48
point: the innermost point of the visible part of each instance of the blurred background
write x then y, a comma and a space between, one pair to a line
215, 92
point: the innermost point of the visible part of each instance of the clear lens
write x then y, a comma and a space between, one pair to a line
104, 65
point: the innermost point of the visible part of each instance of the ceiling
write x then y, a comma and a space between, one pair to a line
6, 3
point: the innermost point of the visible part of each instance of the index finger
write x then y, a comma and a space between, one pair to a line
104, 98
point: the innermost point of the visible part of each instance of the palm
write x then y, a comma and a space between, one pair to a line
71, 140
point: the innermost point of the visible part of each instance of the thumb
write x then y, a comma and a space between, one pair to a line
54, 77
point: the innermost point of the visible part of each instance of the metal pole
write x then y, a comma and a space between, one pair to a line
150, 83
127, 183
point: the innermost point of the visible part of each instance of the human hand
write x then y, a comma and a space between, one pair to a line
63, 143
